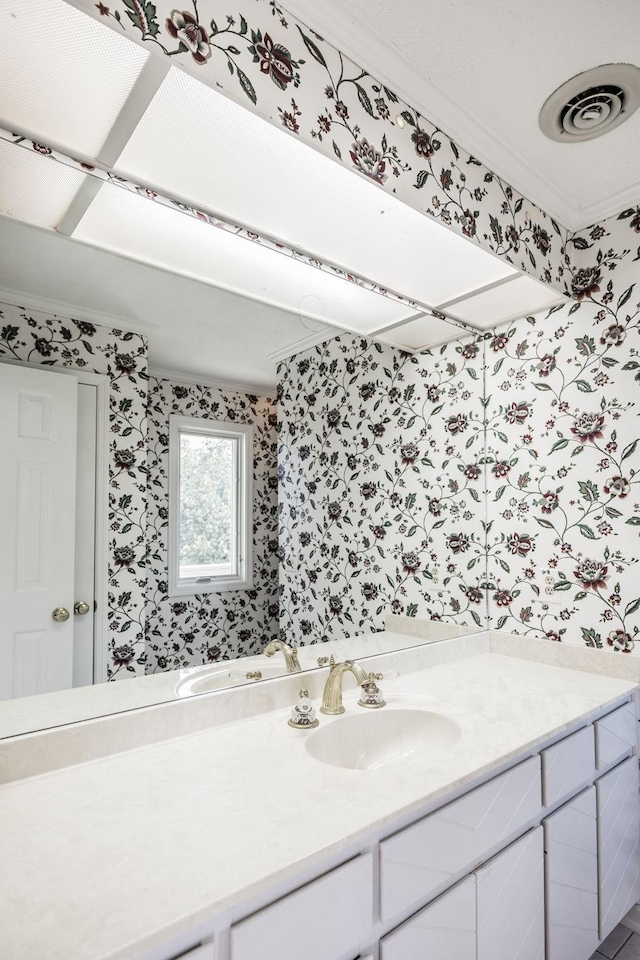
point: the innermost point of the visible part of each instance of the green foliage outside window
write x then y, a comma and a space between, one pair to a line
206, 499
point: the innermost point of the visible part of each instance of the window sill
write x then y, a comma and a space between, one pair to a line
191, 588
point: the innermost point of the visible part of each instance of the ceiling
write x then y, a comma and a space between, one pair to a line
482, 71
214, 304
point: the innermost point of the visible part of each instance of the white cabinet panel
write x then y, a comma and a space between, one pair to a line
571, 879
567, 765
427, 854
616, 735
445, 930
321, 921
510, 902
618, 843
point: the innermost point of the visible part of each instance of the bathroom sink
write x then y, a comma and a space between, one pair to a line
215, 678
369, 741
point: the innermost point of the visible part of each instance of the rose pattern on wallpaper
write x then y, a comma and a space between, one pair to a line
270, 62
381, 487
555, 438
187, 631
563, 422
51, 341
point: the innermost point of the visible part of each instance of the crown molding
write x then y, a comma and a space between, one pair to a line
71, 312
299, 346
386, 63
227, 386
611, 206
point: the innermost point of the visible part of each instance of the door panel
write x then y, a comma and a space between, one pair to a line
84, 589
37, 493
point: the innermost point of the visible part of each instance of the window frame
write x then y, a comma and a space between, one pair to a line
243, 579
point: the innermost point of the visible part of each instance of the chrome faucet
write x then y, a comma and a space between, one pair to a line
332, 696
290, 654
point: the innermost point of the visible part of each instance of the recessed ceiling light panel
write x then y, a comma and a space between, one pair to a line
131, 225
34, 188
63, 76
194, 143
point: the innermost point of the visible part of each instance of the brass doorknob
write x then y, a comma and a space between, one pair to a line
60, 614
80, 608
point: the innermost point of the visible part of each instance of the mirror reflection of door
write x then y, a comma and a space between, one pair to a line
47, 530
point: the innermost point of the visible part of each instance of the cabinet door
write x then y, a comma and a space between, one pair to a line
328, 918
616, 735
571, 879
510, 902
428, 855
445, 930
618, 844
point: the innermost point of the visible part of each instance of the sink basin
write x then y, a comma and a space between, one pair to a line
215, 678
369, 741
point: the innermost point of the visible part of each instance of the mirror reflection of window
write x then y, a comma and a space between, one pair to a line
210, 506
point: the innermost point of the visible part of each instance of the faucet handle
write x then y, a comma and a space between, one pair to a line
322, 661
371, 693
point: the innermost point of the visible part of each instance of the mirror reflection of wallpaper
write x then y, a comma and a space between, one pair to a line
382, 472
36, 337
184, 631
381, 486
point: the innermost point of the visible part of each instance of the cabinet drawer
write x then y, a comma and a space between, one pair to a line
510, 902
322, 920
571, 879
422, 858
446, 929
618, 843
567, 765
616, 735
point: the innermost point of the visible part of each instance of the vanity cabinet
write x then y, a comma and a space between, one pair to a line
430, 854
495, 914
571, 879
539, 863
618, 843
321, 921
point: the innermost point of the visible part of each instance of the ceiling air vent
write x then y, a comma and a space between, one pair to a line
591, 103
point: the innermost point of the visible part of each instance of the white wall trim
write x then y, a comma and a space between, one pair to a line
227, 386
299, 346
68, 311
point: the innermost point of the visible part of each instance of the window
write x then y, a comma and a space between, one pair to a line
210, 506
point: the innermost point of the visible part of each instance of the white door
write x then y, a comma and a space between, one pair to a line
38, 413
85, 516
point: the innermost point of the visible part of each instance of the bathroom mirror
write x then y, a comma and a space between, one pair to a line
172, 305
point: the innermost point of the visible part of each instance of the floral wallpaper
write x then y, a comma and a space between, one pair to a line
187, 631
49, 340
381, 487
386, 460
271, 63
563, 457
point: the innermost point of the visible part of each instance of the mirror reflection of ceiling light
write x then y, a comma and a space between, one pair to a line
205, 156
63, 76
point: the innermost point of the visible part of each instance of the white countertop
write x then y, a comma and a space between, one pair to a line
112, 857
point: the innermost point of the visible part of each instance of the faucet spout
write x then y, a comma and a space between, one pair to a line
332, 697
290, 654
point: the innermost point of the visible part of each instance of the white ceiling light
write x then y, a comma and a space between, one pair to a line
139, 228
63, 76
194, 143
508, 301
33, 188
